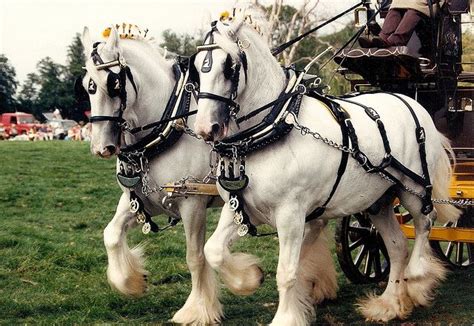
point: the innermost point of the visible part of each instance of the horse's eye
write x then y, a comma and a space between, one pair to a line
91, 87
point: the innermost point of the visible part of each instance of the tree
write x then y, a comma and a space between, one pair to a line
8, 85
287, 22
53, 92
183, 44
468, 50
28, 94
75, 61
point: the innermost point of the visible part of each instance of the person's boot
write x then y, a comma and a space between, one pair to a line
365, 42
378, 42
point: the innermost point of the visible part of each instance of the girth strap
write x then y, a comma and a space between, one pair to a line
340, 115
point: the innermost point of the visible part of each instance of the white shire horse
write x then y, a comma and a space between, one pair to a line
290, 178
146, 97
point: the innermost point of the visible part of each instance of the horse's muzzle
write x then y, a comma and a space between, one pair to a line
212, 132
107, 151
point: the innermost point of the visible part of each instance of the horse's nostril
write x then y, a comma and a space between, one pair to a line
110, 148
215, 128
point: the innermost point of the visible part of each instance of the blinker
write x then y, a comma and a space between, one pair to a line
113, 84
91, 87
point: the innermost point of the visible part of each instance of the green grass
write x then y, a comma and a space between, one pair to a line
55, 200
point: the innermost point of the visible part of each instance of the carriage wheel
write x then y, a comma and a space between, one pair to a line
458, 255
360, 250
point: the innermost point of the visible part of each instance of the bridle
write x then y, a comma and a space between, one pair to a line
116, 86
230, 73
162, 133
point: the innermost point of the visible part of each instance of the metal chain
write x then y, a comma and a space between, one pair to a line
291, 119
145, 168
190, 132
211, 175
458, 202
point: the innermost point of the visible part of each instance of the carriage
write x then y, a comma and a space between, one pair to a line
431, 70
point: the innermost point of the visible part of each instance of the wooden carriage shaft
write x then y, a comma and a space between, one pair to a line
443, 233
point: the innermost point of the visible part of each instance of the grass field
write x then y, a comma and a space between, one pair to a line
55, 200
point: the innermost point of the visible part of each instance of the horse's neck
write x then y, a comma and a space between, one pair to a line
156, 81
265, 81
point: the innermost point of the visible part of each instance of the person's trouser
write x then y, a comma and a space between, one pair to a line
399, 25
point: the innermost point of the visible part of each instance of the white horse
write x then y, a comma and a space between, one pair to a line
291, 178
154, 79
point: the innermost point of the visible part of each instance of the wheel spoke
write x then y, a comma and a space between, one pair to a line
459, 252
377, 264
449, 250
368, 264
383, 249
363, 220
470, 253
359, 242
362, 231
360, 257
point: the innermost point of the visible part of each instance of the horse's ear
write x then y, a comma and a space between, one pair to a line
113, 38
86, 41
237, 22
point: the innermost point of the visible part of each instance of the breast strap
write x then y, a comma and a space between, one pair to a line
340, 115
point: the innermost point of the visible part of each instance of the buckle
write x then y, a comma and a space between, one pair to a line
301, 89
189, 87
386, 161
348, 122
363, 161
125, 126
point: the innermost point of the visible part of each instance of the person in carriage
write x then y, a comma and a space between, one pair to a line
401, 21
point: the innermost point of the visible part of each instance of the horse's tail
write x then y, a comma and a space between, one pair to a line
441, 181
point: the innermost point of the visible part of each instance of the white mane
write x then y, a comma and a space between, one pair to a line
132, 38
263, 68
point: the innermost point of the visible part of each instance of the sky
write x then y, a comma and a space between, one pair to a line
33, 29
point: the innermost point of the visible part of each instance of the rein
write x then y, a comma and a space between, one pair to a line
286, 45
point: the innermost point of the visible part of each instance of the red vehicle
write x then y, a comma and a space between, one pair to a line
17, 123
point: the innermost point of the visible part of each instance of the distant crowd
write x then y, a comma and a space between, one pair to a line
48, 131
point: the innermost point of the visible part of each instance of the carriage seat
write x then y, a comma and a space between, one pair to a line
396, 63
382, 65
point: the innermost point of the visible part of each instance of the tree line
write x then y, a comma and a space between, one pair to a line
51, 86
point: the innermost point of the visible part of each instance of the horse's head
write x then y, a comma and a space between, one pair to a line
111, 90
232, 54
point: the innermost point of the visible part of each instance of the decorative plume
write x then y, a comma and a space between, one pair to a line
128, 31
251, 15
